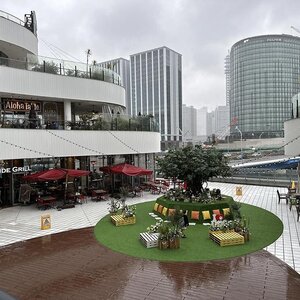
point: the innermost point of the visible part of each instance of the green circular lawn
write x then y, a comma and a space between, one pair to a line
265, 228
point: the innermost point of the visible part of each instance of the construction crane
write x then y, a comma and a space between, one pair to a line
296, 29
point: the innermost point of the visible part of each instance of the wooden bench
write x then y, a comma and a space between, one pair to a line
119, 220
227, 238
149, 240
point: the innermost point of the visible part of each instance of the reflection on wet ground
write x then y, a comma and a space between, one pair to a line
72, 265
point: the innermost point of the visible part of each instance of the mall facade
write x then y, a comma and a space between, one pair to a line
57, 113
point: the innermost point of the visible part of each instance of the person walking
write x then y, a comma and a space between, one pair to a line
184, 223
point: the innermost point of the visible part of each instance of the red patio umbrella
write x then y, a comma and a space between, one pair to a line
126, 169
55, 174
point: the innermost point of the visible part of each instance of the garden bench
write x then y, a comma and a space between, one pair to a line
119, 220
227, 238
149, 240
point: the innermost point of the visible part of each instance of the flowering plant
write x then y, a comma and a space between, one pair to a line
114, 205
154, 228
129, 211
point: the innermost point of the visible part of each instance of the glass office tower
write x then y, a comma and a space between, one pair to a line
264, 76
156, 89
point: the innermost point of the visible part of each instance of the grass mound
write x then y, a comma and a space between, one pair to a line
265, 228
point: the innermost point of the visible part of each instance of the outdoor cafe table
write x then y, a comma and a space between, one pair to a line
98, 195
46, 201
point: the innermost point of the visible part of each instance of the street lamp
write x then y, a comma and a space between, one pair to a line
88, 54
261, 135
236, 127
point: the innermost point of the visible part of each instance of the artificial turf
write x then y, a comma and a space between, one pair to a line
265, 228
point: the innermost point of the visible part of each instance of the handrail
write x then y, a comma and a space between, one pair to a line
62, 67
12, 18
102, 122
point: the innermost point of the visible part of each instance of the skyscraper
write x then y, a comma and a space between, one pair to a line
264, 76
189, 123
121, 66
227, 78
156, 88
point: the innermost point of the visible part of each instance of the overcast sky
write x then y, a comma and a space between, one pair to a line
203, 31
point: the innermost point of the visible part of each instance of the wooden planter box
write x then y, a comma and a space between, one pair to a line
149, 240
119, 220
169, 244
227, 238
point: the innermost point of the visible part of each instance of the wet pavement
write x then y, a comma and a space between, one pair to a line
73, 265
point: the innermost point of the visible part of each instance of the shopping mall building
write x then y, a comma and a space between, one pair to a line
61, 113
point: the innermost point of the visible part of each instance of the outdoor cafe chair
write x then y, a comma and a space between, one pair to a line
282, 196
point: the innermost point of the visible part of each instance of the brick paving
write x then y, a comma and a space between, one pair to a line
72, 265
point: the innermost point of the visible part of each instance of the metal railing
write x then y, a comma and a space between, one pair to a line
101, 122
62, 67
12, 18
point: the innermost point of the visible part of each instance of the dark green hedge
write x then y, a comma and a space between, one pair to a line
190, 206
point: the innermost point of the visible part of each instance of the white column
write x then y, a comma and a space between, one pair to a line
68, 114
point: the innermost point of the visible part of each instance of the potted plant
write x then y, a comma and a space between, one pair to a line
114, 206
163, 242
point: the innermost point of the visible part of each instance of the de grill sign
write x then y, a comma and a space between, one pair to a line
14, 170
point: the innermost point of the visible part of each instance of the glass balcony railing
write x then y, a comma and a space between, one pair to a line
100, 122
62, 67
12, 18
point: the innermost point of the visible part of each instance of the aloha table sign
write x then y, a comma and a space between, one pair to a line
15, 170
21, 105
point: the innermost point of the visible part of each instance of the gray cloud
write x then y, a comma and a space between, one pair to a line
202, 31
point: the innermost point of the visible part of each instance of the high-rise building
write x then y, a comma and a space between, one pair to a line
227, 78
217, 122
189, 123
201, 124
264, 76
156, 88
121, 66
222, 122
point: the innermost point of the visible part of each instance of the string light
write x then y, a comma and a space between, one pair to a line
97, 152
27, 149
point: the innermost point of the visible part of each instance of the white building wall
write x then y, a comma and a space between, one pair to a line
14, 34
30, 83
38, 143
292, 137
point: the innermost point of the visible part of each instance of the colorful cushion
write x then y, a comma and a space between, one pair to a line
206, 215
164, 211
216, 211
160, 208
171, 211
195, 215
226, 211
155, 206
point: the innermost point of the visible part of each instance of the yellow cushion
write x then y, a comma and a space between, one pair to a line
216, 211
206, 214
195, 215
155, 206
226, 211
164, 211
171, 211
160, 208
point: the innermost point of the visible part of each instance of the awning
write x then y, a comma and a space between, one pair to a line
126, 169
55, 174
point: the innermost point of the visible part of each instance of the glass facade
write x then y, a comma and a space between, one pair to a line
156, 89
264, 76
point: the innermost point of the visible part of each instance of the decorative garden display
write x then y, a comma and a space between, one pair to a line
120, 220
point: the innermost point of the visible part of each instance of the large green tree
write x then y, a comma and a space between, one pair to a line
195, 165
